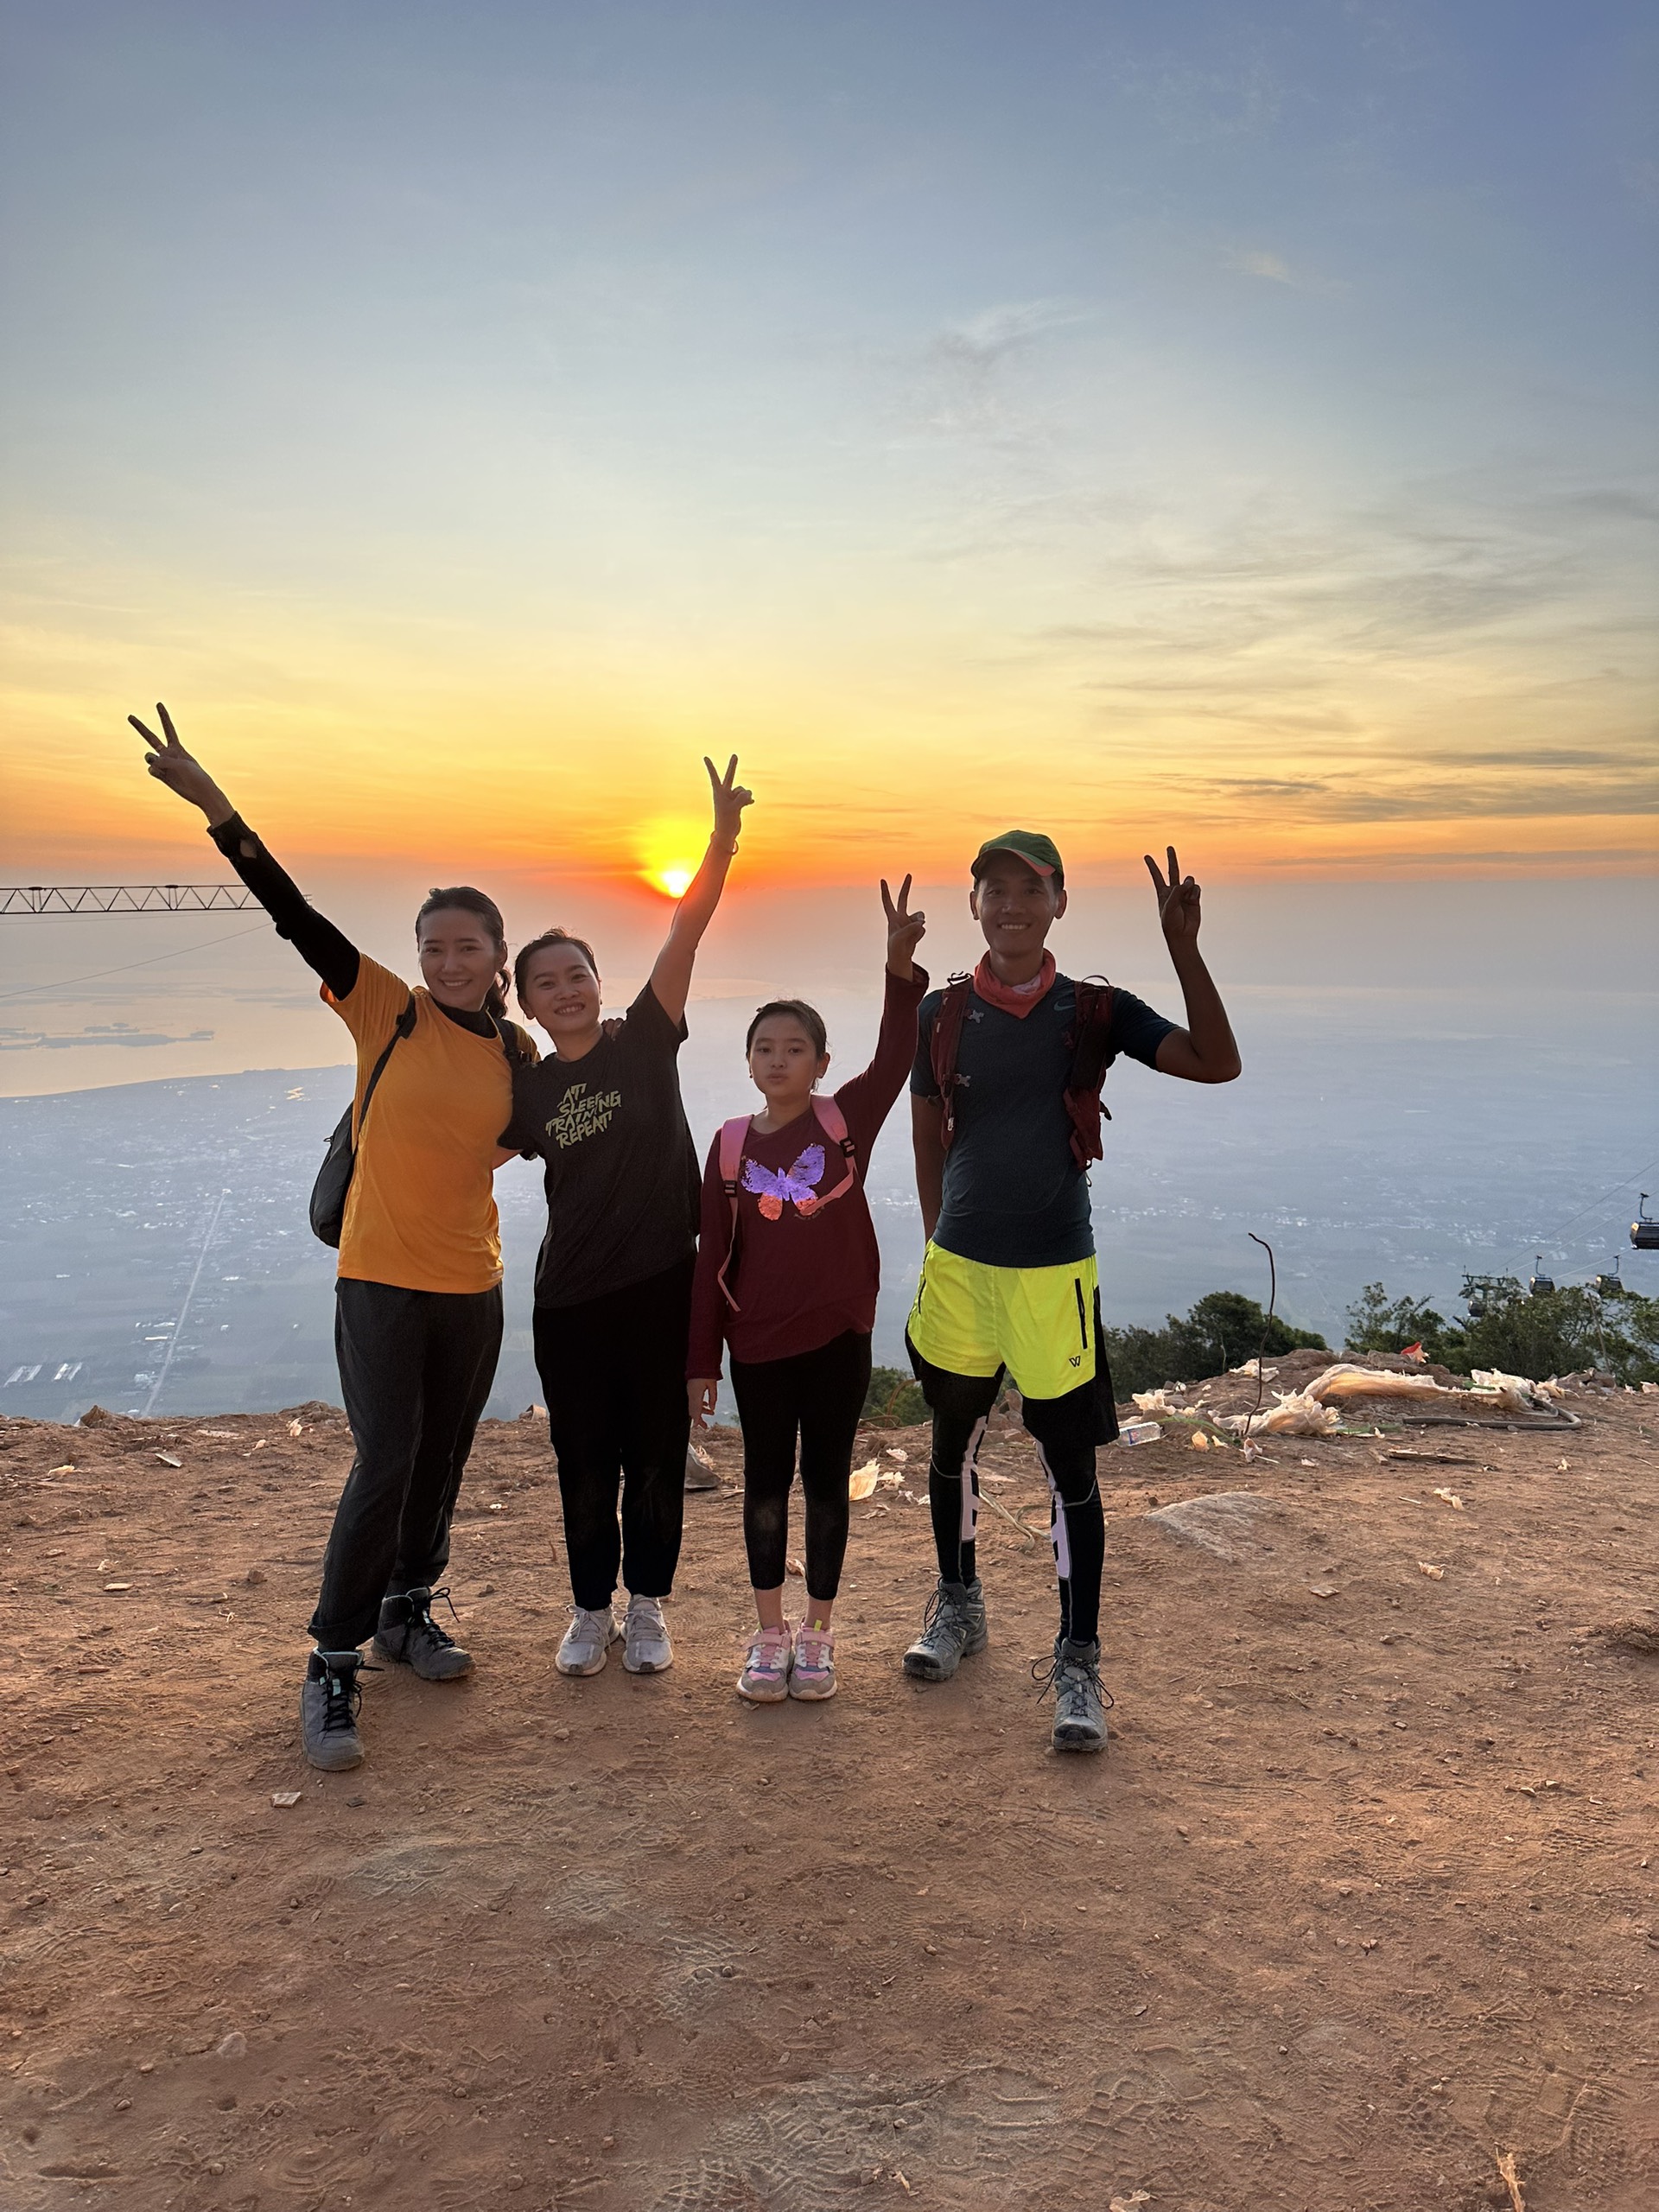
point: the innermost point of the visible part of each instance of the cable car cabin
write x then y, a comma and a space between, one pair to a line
1609, 1285
1645, 1229
1542, 1285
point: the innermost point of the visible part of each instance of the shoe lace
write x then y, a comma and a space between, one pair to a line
1064, 1671
942, 1609
342, 1699
420, 1622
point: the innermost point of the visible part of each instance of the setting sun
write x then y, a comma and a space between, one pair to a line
676, 880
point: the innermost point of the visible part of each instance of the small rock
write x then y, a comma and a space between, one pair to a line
233, 2045
285, 1796
96, 1417
254, 1577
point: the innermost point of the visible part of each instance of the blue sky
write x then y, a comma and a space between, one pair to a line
1245, 409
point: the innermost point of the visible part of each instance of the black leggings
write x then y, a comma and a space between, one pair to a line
818, 1395
613, 1369
416, 1367
1066, 1430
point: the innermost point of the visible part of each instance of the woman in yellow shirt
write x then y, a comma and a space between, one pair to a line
417, 1327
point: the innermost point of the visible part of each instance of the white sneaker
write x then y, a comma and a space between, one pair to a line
586, 1641
646, 1650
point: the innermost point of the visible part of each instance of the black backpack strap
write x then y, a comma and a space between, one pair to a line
405, 1025
509, 1044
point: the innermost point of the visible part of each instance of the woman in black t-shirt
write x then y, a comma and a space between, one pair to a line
614, 1280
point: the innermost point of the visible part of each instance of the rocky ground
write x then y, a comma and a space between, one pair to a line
1358, 1906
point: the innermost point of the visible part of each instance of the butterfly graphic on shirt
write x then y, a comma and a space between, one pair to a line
775, 1187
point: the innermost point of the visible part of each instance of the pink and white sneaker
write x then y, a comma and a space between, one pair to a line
813, 1675
765, 1678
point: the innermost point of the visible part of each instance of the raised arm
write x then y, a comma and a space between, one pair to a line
670, 979
1204, 1051
320, 944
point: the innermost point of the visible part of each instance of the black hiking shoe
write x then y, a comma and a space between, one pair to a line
329, 1700
953, 1629
1080, 1702
408, 1637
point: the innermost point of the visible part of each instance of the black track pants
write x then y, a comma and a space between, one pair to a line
818, 1396
416, 1367
1064, 1431
613, 1369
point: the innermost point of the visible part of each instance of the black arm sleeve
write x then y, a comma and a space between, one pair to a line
319, 943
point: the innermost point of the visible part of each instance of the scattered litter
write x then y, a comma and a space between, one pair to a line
221, 1432
1434, 1573
296, 1428
1415, 1351
1513, 1393
1152, 1401
1651, 1390
1139, 1432
793, 1567
1252, 1451
1298, 1412
68, 1468
1344, 1380
1451, 1497
117, 1585
259, 1446
168, 1459
1511, 2180
285, 1796
863, 1483
1198, 1440
898, 1452
701, 1473
1254, 1370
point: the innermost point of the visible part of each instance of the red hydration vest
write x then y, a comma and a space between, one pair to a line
732, 1136
1086, 1039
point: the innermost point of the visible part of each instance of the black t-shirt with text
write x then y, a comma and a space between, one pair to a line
622, 1179
1015, 1196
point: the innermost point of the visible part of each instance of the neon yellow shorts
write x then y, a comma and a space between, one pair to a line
1038, 1322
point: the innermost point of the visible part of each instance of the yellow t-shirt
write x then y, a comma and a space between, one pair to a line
421, 1210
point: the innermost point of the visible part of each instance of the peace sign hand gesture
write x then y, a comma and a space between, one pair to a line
730, 799
1179, 902
905, 930
169, 764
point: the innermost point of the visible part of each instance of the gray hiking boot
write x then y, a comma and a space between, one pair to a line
645, 1648
328, 1704
588, 1640
1080, 1703
953, 1629
410, 1636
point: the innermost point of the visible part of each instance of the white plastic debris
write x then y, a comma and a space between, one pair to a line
1298, 1412
1514, 1393
1151, 1401
1139, 1432
1254, 1370
864, 1481
1345, 1380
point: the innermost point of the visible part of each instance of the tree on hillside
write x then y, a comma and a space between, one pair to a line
1221, 1330
1507, 1327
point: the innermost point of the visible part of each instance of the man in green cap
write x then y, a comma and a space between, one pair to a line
1004, 1102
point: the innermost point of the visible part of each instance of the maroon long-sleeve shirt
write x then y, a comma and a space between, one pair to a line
800, 1280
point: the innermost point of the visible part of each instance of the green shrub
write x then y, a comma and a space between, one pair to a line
1506, 1327
1221, 1330
894, 1399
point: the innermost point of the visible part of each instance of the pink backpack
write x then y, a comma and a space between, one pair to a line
732, 1136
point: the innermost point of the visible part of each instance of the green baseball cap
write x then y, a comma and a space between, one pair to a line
1029, 845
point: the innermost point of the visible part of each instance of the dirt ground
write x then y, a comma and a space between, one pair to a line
1358, 1902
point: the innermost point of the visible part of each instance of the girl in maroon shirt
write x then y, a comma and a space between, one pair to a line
790, 1284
